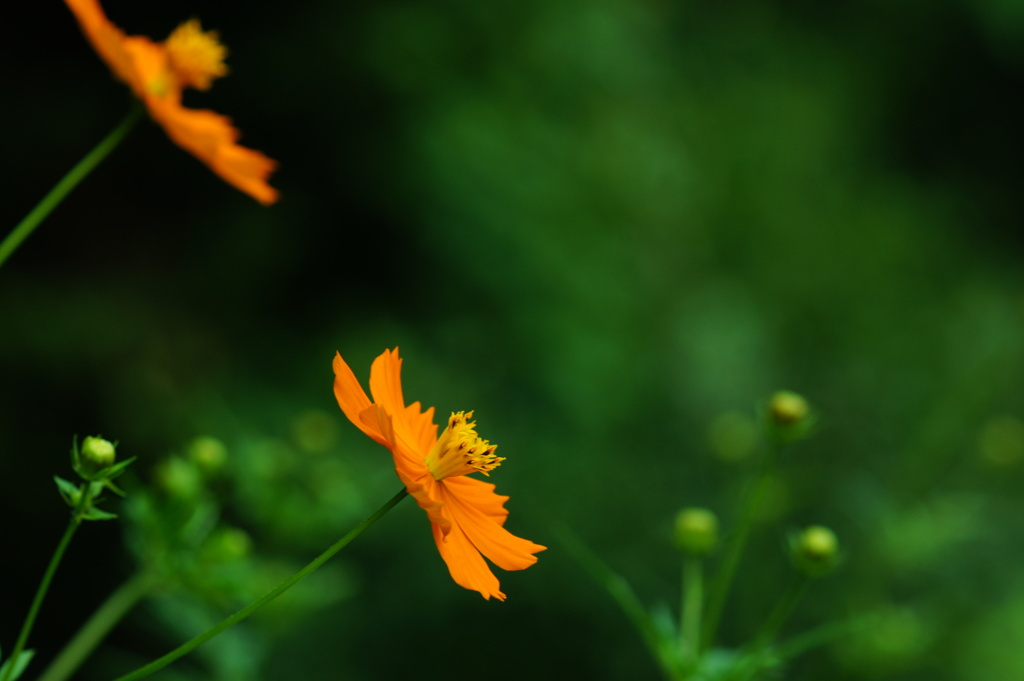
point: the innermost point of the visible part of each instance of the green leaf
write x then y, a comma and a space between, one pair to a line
96, 514
118, 468
23, 659
68, 490
113, 488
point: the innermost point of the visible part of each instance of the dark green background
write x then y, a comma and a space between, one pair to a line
601, 224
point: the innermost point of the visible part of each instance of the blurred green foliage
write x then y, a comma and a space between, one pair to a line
611, 228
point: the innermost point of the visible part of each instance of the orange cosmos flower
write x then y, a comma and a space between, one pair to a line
158, 72
467, 517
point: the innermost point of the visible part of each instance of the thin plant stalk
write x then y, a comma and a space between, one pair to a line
53, 198
691, 608
44, 585
191, 645
112, 611
734, 551
770, 629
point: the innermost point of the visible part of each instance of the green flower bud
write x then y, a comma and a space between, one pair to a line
789, 416
815, 551
788, 408
95, 455
733, 436
180, 478
696, 531
208, 453
227, 545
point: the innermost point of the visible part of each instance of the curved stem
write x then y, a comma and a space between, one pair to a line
781, 613
117, 605
188, 647
30, 619
67, 183
723, 581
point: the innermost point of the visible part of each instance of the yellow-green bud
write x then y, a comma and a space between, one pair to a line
789, 417
815, 551
788, 408
180, 478
696, 531
228, 544
94, 455
208, 453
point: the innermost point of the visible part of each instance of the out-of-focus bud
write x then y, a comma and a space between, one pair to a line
180, 478
788, 407
815, 551
95, 455
208, 453
696, 531
315, 431
733, 436
789, 415
227, 545
1001, 441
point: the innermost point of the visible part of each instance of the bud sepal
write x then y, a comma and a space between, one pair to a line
94, 462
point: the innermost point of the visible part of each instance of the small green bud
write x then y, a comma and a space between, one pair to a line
95, 455
788, 408
180, 478
227, 545
208, 453
696, 531
815, 551
789, 416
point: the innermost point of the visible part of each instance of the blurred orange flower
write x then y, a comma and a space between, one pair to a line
158, 72
466, 516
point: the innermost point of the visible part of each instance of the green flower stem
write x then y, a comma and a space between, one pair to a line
67, 183
690, 610
782, 611
84, 503
188, 647
734, 551
117, 605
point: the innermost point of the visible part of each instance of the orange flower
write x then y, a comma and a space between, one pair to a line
465, 513
158, 72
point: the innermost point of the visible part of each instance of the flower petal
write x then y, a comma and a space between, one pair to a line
421, 428
386, 381
415, 431
210, 137
465, 564
424, 489
501, 547
353, 400
107, 39
480, 494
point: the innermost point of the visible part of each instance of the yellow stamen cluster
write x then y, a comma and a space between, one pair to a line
459, 450
195, 57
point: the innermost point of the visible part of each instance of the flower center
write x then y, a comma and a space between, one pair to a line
195, 57
459, 450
